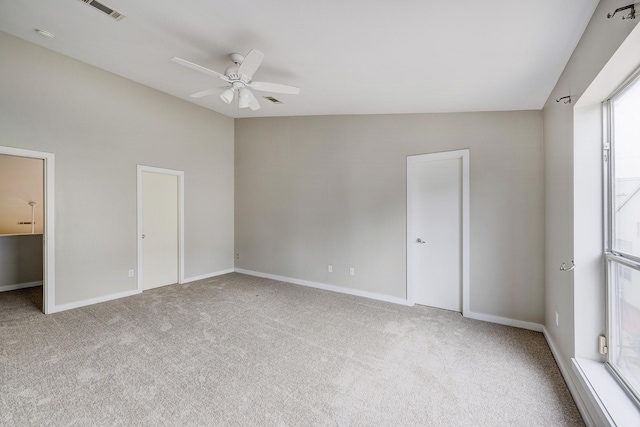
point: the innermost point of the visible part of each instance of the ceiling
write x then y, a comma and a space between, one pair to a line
347, 56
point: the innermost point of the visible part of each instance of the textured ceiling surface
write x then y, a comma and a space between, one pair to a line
347, 56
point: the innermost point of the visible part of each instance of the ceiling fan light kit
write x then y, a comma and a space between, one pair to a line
227, 96
239, 79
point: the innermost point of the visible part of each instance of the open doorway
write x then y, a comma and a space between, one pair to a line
26, 231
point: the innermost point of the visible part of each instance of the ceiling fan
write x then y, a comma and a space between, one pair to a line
239, 78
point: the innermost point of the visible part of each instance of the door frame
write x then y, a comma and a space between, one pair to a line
48, 232
180, 175
412, 160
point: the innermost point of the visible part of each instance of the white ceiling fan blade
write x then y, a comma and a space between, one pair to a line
227, 95
203, 93
275, 88
200, 68
242, 103
248, 99
251, 63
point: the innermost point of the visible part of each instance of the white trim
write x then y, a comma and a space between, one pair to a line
91, 301
125, 294
592, 395
323, 286
446, 155
208, 276
48, 235
613, 404
582, 408
180, 175
5, 288
381, 297
504, 321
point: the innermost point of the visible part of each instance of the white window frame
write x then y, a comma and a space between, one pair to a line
612, 255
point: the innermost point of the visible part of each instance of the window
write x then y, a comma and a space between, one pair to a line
622, 251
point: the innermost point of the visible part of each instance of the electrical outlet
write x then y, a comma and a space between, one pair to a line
352, 271
557, 319
130, 273
237, 256
330, 268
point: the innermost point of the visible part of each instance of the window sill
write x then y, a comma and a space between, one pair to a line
614, 406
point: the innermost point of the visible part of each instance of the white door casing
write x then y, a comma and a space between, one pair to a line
160, 227
438, 230
48, 234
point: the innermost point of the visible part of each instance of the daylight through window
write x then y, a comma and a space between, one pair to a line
622, 165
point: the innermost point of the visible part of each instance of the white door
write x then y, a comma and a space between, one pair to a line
159, 229
435, 240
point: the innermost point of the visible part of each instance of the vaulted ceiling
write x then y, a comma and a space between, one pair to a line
347, 56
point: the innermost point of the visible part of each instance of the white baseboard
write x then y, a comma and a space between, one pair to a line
472, 315
5, 288
91, 301
582, 408
208, 276
323, 286
504, 321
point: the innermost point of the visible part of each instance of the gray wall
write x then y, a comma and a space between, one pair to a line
100, 126
20, 259
563, 147
312, 191
573, 195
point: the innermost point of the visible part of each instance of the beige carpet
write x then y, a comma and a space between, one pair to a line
20, 304
239, 350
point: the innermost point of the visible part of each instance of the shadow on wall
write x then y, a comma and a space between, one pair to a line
20, 260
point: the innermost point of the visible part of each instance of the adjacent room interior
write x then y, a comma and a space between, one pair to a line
21, 225
299, 214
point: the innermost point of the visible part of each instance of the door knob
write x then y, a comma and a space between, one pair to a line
419, 240
143, 236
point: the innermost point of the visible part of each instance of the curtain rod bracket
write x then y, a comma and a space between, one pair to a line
631, 8
567, 98
563, 267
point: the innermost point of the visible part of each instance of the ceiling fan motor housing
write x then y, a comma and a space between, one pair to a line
231, 72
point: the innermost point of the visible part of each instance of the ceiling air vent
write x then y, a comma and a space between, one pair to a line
272, 99
104, 9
